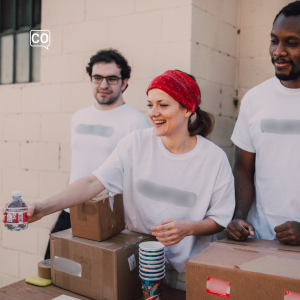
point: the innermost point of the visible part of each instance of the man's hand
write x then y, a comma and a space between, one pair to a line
288, 233
34, 212
173, 231
239, 230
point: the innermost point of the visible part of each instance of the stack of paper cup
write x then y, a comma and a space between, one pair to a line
152, 269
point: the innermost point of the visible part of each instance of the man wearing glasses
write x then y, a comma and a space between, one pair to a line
96, 130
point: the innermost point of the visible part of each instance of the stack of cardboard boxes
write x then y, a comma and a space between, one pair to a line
98, 258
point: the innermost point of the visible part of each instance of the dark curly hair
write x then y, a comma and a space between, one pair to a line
108, 56
292, 9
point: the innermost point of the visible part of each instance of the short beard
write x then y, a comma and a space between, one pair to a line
112, 100
289, 77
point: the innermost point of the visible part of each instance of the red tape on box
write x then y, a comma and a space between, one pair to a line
218, 287
291, 296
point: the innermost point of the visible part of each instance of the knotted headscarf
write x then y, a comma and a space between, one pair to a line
179, 86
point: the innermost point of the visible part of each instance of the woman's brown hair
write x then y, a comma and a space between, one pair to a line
204, 123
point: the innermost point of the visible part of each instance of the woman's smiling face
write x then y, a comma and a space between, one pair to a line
166, 114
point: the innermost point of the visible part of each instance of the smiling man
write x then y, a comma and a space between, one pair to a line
97, 129
267, 139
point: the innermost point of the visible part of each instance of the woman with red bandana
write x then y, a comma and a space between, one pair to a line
176, 184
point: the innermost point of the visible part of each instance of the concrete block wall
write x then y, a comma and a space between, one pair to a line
196, 36
214, 62
256, 20
35, 118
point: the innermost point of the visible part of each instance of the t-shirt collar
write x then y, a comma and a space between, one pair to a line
108, 111
183, 156
281, 88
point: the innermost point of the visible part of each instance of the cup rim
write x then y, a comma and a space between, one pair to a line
150, 246
152, 254
151, 257
154, 275
152, 271
151, 262
151, 251
151, 279
151, 266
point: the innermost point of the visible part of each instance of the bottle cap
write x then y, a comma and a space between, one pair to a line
16, 193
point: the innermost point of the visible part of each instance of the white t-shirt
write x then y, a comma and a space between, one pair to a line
95, 134
269, 125
158, 185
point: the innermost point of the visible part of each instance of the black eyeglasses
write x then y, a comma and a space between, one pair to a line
111, 80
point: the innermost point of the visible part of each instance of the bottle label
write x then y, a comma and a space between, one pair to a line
17, 217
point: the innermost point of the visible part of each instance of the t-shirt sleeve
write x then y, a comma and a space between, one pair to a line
111, 172
141, 123
222, 203
241, 134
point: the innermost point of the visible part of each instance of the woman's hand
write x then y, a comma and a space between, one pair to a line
76, 193
34, 212
173, 231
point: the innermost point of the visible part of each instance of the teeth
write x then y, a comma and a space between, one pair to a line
159, 122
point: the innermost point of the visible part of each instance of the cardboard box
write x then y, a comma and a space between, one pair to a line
99, 270
98, 219
250, 270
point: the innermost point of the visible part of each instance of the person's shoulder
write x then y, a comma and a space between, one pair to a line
83, 112
140, 134
133, 113
217, 157
209, 144
261, 89
137, 138
212, 148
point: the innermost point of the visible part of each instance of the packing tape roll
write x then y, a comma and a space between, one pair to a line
44, 269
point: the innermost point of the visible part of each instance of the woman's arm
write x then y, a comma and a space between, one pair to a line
76, 193
174, 230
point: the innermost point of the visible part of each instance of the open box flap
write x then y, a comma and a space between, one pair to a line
119, 241
260, 243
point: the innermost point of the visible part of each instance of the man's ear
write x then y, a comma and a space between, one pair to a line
124, 84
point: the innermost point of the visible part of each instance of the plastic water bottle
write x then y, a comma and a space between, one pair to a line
16, 213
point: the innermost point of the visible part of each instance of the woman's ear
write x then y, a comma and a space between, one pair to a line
188, 113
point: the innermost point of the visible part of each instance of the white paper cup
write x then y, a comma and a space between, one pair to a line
153, 278
151, 275
151, 258
145, 265
148, 270
151, 246
157, 254
154, 252
153, 262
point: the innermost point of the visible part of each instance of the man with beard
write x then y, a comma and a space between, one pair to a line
267, 139
96, 130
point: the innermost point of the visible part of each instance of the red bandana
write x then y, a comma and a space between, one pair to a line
179, 86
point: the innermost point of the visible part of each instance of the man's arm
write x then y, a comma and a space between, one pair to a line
243, 172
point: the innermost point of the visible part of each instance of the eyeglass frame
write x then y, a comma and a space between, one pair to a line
106, 79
